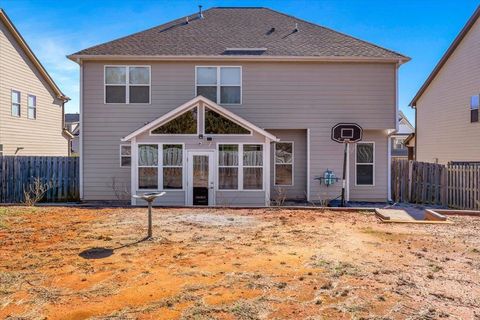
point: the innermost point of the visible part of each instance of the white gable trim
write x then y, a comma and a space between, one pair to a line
195, 102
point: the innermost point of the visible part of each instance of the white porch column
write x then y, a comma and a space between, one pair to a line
266, 168
134, 172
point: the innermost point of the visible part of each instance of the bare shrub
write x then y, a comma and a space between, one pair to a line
120, 190
279, 196
35, 191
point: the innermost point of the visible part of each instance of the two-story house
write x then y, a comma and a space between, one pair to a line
72, 124
31, 104
447, 104
235, 106
401, 138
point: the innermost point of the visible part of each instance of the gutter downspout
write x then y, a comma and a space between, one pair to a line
80, 125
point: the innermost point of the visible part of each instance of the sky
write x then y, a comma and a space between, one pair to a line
419, 29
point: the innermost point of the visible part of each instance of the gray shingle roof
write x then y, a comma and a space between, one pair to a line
223, 28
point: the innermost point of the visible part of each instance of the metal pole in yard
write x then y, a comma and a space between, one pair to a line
344, 172
149, 219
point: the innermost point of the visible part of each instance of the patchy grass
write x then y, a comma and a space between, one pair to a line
69, 263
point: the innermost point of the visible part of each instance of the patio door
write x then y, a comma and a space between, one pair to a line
200, 184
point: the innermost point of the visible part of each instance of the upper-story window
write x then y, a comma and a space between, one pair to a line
222, 85
127, 84
15, 103
474, 106
32, 107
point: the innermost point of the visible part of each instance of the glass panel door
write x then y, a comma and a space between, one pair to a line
200, 180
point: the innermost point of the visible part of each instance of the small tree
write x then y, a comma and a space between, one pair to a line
35, 191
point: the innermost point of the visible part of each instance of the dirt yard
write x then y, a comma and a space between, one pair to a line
234, 264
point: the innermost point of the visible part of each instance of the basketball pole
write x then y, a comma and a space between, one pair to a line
344, 172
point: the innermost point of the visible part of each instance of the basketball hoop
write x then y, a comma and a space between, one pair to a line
346, 133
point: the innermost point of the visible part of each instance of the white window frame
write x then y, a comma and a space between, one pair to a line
34, 107
125, 156
246, 167
373, 164
15, 103
275, 165
127, 84
160, 167
219, 83
239, 166
180, 134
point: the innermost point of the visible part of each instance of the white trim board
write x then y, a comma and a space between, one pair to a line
212, 105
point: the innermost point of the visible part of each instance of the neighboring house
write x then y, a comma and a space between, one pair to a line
399, 148
446, 106
234, 106
72, 123
31, 104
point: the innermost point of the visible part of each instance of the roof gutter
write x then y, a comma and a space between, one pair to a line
79, 57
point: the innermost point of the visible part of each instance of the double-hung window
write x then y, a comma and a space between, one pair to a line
148, 166
32, 106
228, 163
365, 164
172, 166
222, 85
127, 84
160, 171
284, 164
240, 167
125, 155
474, 106
252, 167
16, 103
1, 150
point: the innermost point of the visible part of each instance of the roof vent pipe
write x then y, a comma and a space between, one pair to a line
296, 27
186, 20
200, 13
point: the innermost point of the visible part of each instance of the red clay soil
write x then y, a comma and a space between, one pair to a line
234, 264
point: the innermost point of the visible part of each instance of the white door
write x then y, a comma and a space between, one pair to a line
200, 178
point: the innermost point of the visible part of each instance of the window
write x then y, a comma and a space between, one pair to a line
15, 103
127, 84
172, 166
215, 123
365, 164
222, 85
32, 107
240, 173
148, 166
398, 144
125, 156
284, 164
252, 167
474, 106
228, 164
186, 123
1, 150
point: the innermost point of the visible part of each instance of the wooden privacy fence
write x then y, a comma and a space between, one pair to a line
455, 186
18, 173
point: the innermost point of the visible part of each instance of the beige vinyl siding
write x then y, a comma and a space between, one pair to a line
444, 130
275, 96
378, 192
42, 136
298, 191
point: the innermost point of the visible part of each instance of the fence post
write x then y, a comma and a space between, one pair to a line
410, 177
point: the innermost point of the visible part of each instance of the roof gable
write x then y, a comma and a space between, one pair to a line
240, 32
191, 104
26, 49
468, 26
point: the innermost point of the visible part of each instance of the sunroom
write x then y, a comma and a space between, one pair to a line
201, 154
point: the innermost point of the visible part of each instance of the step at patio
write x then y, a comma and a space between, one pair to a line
403, 216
